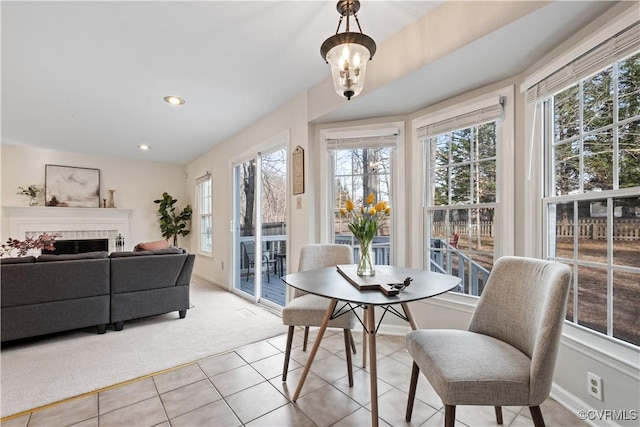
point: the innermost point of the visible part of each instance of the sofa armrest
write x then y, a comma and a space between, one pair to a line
187, 269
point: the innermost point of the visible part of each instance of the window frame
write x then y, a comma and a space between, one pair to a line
550, 197
504, 241
326, 186
201, 200
623, 356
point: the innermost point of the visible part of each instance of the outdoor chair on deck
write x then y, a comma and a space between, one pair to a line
249, 255
454, 241
309, 310
508, 354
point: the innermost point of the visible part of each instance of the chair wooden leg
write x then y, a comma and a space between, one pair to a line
449, 415
353, 343
287, 353
347, 345
499, 414
536, 414
415, 372
306, 338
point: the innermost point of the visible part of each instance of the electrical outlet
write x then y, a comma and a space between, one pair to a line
298, 202
594, 385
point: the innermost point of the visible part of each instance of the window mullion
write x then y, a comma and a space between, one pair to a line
610, 266
576, 313
616, 127
581, 135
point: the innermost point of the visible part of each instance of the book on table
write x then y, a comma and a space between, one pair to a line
381, 281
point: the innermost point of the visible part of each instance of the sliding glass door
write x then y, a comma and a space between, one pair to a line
259, 227
273, 222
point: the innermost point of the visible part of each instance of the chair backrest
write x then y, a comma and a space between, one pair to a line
524, 304
316, 256
454, 242
248, 250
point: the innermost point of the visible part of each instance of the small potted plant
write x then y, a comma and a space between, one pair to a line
32, 191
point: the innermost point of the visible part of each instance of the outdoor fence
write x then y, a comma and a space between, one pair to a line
623, 229
485, 228
596, 229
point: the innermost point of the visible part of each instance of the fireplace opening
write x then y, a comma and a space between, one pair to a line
78, 246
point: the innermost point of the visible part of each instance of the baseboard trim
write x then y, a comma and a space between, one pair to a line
211, 282
577, 406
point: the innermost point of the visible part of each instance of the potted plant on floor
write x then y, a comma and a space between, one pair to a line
172, 222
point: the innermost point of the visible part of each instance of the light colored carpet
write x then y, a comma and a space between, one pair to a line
55, 368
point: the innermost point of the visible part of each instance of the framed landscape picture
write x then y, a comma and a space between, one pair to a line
68, 186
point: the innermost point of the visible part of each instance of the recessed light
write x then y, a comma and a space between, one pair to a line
144, 147
174, 100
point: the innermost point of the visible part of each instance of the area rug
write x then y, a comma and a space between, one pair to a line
55, 368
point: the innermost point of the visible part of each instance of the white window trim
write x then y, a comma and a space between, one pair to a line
199, 181
608, 25
505, 239
398, 227
611, 23
596, 345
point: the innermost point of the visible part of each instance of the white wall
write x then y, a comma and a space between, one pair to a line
291, 118
137, 184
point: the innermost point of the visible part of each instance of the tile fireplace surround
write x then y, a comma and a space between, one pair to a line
68, 223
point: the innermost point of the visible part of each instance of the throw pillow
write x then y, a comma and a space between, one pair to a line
165, 251
151, 246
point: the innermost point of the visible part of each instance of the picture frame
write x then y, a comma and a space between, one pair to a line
70, 186
298, 170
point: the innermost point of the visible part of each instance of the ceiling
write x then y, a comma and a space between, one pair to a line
90, 77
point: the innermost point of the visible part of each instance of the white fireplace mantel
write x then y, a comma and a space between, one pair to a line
69, 223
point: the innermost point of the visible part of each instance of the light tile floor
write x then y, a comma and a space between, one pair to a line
244, 388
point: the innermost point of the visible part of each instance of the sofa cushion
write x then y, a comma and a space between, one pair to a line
40, 282
18, 260
165, 251
69, 257
150, 246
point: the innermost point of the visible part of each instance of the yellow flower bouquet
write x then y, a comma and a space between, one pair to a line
364, 223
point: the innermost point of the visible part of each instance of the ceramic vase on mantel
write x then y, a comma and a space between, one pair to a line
112, 200
366, 267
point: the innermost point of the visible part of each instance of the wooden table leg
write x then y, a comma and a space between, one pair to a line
373, 372
409, 314
316, 345
364, 337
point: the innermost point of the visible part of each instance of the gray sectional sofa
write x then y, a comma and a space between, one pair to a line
54, 293
147, 283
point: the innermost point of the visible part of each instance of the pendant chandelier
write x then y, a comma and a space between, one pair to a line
348, 53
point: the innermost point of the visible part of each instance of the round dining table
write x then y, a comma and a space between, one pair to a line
340, 289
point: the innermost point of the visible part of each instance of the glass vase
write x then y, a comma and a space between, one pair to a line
33, 201
365, 264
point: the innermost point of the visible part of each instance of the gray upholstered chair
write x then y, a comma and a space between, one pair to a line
508, 354
309, 310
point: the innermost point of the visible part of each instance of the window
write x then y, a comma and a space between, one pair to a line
461, 169
205, 214
359, 167
592, 201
